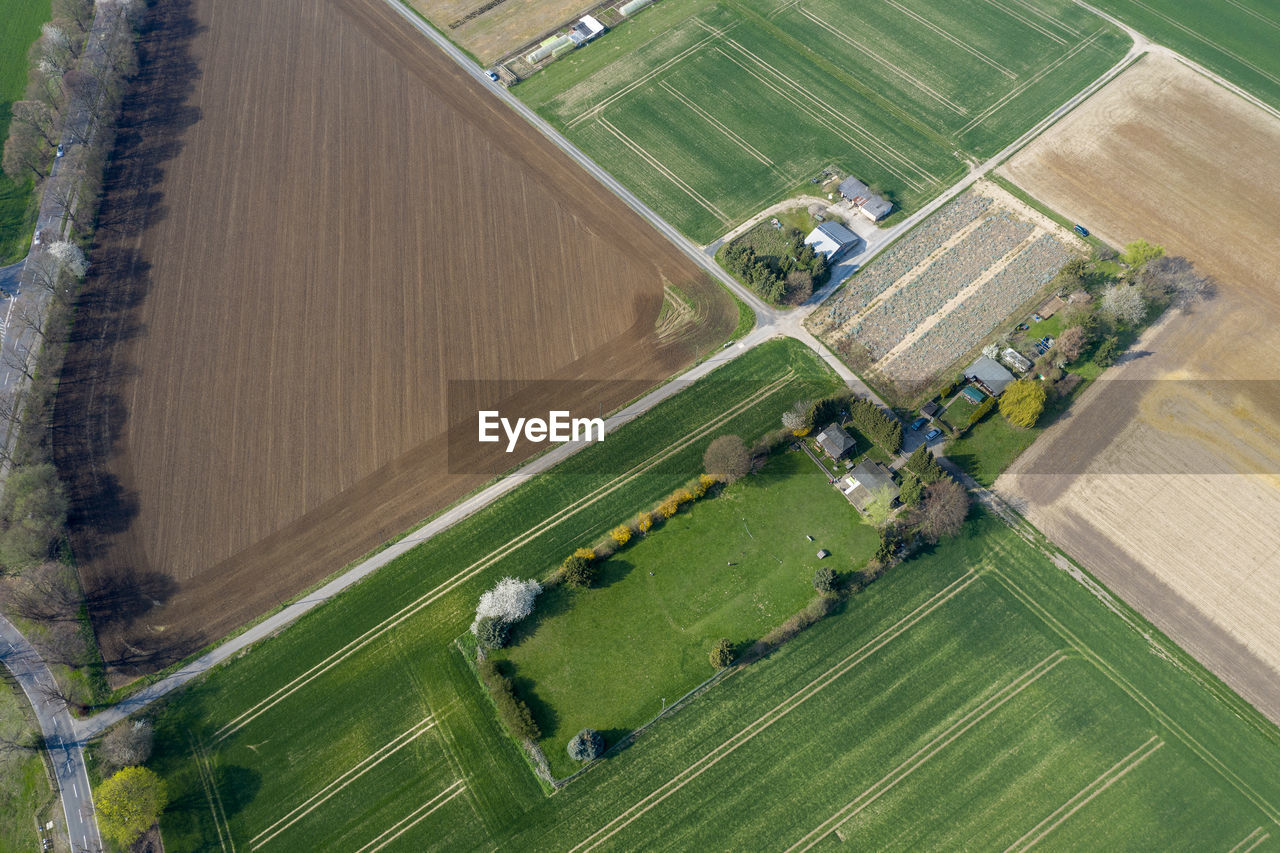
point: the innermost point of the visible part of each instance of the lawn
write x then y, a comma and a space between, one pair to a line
1235, 38
25, 790
710, 111
734, 565
281, 723
22, 20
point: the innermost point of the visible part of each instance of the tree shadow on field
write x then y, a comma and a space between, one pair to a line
547, 718
612, 571
555, 601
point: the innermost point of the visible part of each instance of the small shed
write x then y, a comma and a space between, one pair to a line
835, 442
831, 239
866, 481
585, 30
1051, 306
930, 410
973, 395
989, 375
1015, 359
823, 554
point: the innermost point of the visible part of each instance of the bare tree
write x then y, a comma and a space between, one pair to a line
26, 154
56, 695
30, 316
128, 744
946, 505
75, 13
19, 357
1069, 345
43, 118
55, 51
727, 458
46, 592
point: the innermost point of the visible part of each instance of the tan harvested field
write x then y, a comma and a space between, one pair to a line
1167, 486
314, 222
490, 30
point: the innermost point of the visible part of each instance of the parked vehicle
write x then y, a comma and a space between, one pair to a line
493, 75
918, 422
61, 150
932, 434
1082, 231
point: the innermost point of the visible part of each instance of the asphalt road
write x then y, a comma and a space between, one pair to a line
59, 731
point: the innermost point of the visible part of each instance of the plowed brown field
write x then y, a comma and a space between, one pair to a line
314, 221
1168, 487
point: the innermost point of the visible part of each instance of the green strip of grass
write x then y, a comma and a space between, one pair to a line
22, 21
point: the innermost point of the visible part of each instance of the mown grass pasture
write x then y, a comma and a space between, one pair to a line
977, 694
734, 565
22, 20
711, 111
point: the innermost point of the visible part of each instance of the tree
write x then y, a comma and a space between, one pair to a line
879, 507
1140, 252
579, 572
128, 744
1125, 303
923, 465
824, 580
70, 257
586, 745
1173, 277
727, 458
493, 633
78, 13
43, 593
26, 154
129, 802
912, 489
1070, 344
32, 512
799, 286
946, 505
510, 600
1107, 352
722, 653
1022, 402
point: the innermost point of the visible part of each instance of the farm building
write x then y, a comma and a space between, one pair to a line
831, 239
835, 442
866, 481
872, 206
585, 30
989, 375
1015, 359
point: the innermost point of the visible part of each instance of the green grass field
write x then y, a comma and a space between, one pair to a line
22, 20
1239, 39
735, 565
710, 111
978, 695
25, 790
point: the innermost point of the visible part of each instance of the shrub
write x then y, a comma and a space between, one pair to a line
981, 410
512, 710
816, 609
585, 553
586, 745
1107, 352
579, 572
824, 580
621, 534
493, 633
668, 508
722, 654
644, 522
683, 496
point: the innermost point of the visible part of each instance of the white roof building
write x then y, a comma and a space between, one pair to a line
831, 239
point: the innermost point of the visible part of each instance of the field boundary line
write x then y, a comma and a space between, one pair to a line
1032, 24
888, 151
317, 799
719, 125
921, 756
809, 114
414, 818
493, 556
1152, 708
209, 784
658, 166
1049, 19
1105, 780
1240, 848
1027, 84
910, 78
776, 713
595, 109
1213, 44
958, 42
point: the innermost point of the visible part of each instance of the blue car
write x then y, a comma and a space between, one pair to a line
932, 434
917, 423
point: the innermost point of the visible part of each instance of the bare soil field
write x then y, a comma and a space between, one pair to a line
490, 30
314, 222
1165, 478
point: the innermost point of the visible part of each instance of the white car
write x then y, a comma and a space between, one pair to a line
37, 240
61, 150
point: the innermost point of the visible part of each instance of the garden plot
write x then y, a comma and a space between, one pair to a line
935, 295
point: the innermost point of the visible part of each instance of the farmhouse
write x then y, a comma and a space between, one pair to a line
872, 206
989, 375
835, 442
831, 239
867, 481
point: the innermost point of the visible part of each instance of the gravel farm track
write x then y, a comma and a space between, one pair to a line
1165, 478
313, 220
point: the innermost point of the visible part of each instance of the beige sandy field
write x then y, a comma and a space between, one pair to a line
490, 30
1165, 478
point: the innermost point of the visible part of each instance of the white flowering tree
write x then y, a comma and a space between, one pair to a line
70, 257
509, 601
1124, 303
